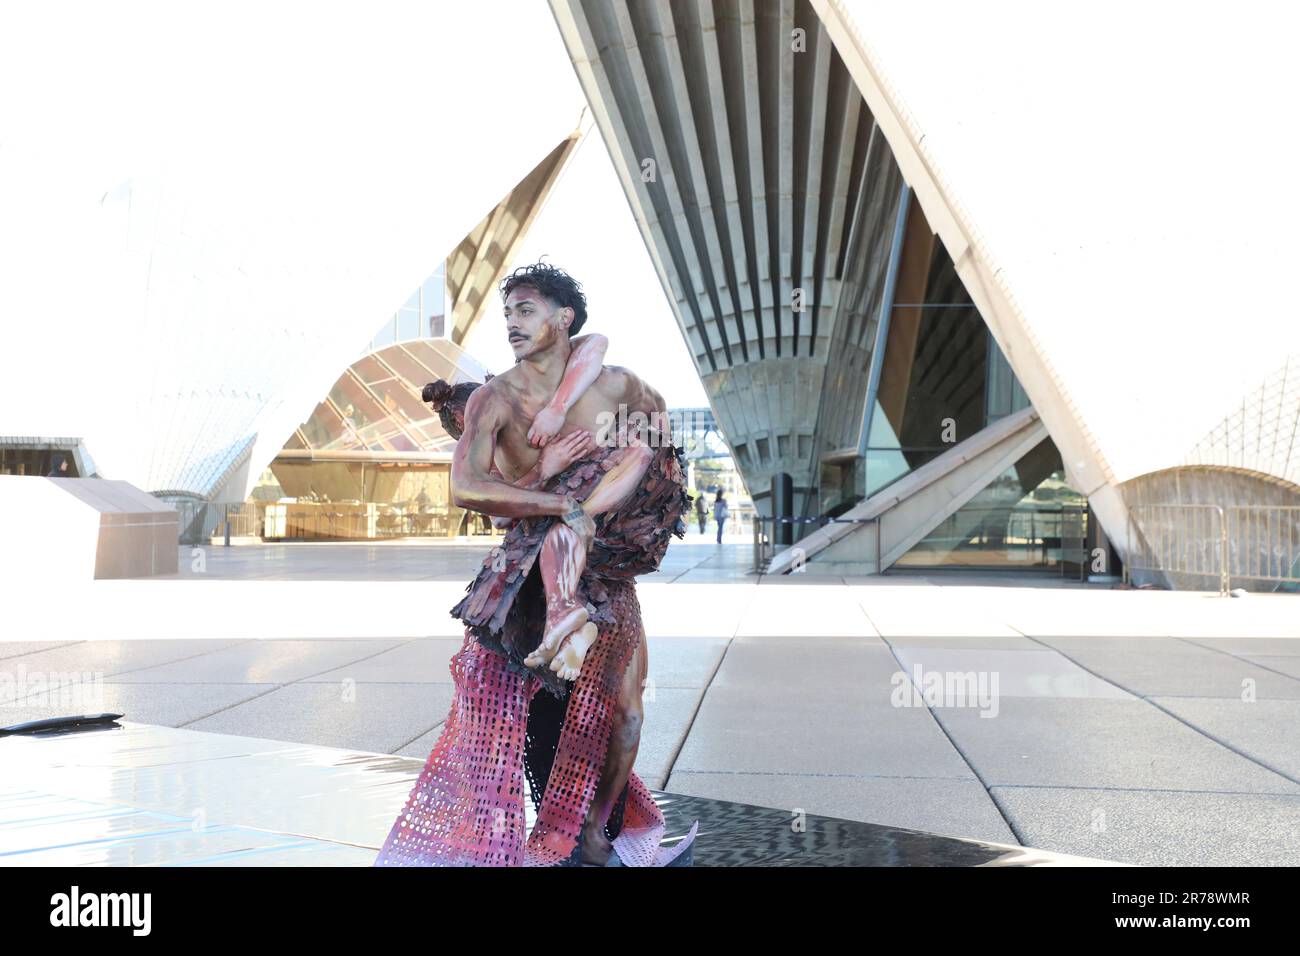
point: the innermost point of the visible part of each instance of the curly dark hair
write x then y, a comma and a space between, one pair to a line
553, 284
449, 402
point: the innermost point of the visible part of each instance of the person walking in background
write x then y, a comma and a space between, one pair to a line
701, 513
720, 512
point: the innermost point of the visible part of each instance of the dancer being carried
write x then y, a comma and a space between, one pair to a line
575, 745
569, 631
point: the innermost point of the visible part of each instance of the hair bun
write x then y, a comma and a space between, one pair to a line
436, 394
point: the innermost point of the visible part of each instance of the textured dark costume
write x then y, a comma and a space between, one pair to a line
467, 806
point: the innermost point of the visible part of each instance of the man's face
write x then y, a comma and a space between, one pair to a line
532, 324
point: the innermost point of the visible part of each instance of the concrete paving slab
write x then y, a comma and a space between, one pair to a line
683, 661
1008, 673
1166, 668
1248, 646
1288, 664
263, 662
1061, 742
11, 649
421, 746
668, 716
169, 705
423, 661
1158, 828
113, 659
1152, 643
380, 717
1001, 642
898, 613
1265, 730
813, 706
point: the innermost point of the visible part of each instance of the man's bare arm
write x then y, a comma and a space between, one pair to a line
583, 368
472, 485
555, 457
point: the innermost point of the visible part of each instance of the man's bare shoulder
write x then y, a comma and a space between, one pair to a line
616, 380
488, 399
621, 384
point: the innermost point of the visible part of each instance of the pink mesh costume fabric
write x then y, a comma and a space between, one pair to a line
584, 738
467, 806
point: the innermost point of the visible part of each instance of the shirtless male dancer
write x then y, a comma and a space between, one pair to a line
542, 311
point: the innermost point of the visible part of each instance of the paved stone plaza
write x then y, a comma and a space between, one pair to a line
1139, 726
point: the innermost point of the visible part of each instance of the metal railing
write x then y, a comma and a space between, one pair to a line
1263, 543
1214, 544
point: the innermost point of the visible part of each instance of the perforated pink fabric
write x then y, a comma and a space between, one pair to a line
467, 806
584, 740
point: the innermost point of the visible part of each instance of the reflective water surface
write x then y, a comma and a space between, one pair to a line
135, 795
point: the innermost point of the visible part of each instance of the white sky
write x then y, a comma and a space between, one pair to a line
216, 205
587, 229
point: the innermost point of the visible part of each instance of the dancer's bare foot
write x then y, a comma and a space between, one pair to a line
596, 848
560, 623
568, 659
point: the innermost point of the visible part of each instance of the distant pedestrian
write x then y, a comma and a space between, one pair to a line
701, 513
720, 512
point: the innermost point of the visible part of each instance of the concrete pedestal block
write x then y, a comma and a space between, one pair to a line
80, 528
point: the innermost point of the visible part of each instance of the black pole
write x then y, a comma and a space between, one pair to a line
783, 507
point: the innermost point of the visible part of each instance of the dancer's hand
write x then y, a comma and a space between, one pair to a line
563, 452
546, 426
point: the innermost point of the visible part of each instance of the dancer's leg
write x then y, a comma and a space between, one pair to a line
624, 740
615, 488
563, 559
621, 480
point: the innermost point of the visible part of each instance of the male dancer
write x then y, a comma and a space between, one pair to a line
601, 726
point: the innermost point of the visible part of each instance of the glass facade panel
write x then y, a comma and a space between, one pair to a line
434, 303
1026, 518
1004, 394
386, 335
358, 410
323, 429
421, 316
942, 376
394, 479
403, 361
408, 324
